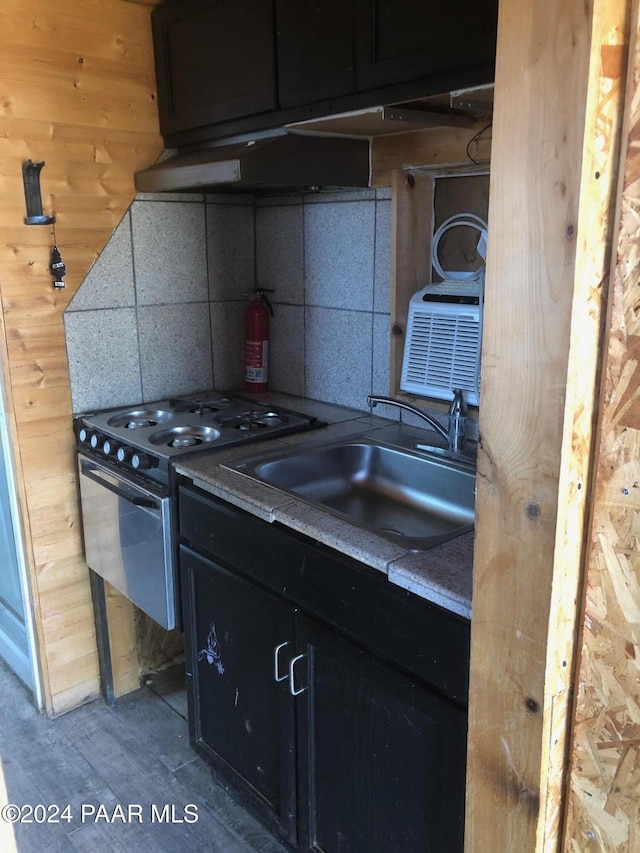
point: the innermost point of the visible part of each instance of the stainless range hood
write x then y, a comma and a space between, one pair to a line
285, 161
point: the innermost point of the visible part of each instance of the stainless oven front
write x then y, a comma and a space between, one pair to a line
127, 535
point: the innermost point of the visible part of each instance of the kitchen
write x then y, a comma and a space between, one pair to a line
101, 184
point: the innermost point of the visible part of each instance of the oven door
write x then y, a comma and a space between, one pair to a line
127, 537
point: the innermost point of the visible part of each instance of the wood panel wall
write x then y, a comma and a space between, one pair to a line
554, 160
77, 91
604, 801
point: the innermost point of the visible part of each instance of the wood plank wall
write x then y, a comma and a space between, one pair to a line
554, 149
77, 91
604, 801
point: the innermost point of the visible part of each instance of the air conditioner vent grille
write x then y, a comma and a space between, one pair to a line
442, 351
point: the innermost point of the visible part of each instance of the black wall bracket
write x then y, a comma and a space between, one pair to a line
31, 180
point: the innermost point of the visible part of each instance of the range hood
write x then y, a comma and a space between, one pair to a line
275, 163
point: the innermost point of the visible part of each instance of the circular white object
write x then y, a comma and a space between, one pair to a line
460, 219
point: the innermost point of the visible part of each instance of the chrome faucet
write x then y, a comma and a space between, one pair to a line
454, 436
457, 422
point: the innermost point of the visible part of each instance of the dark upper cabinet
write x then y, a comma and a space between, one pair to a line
315, 50
214, 61
236, 66
404, 40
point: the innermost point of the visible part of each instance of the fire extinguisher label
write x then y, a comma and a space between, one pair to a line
256, 360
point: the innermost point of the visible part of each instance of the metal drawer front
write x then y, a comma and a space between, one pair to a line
127, 538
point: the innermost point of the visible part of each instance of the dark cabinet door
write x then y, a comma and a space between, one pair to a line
315, 49
402, 40
214, 61
241, 718
381, 757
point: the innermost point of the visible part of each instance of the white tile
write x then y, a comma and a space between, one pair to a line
278, 200
169, 252
175, 351
104, 367
188, 197
109, 282
227, 342
339, 249
338, 347
381, 374
382, 275
230, 247
286, 350
413, 420
244, 200
279, 252
338, 195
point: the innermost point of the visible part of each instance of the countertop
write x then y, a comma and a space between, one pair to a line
442, 574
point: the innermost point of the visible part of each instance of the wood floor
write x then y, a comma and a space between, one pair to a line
123, 765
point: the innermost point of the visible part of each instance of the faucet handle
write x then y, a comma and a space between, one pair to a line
457, 421
458, 404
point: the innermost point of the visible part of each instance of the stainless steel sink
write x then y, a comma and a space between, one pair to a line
414, 499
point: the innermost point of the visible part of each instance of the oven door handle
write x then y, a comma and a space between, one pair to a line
90, 472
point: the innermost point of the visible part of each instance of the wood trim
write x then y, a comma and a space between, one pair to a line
441, 148
122, 642
411, 230
547, 261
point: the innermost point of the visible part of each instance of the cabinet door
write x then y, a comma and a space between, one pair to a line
241, 719
402, 40
315, 50
382, 758
214, 61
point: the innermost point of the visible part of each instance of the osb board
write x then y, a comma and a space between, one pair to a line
547, 259
77, 91
604, 797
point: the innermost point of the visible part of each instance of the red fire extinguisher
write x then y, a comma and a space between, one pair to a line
256, 342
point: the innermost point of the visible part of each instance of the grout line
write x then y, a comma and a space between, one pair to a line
210, 303
135, 300
304, 299
373, 296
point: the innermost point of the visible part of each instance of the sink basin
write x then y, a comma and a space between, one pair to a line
411, 498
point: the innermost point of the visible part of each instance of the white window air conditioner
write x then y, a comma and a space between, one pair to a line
444, 333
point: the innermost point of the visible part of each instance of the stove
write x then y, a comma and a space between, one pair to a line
148, 437
127, 488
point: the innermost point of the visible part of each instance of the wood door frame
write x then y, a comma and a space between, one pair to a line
559, 95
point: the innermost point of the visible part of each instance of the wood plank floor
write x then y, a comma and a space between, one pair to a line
117, 768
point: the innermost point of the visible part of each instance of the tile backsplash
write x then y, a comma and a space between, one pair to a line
162, 309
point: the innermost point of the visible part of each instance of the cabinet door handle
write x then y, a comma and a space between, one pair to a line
292, 685
276, 666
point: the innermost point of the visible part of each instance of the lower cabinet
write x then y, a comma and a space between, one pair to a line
332, 746
381, 757
241, 719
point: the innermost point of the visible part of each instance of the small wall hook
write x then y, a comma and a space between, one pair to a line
33, 198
